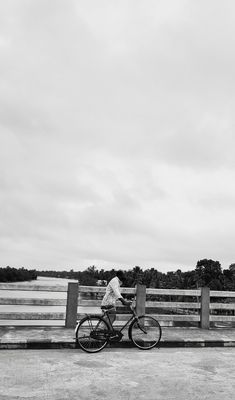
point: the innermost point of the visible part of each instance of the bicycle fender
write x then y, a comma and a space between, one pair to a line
79, 323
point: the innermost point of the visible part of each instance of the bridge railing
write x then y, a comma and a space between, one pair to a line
32, 303
156, 302
200, 307
172, 307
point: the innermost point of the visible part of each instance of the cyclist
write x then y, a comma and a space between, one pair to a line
113, 294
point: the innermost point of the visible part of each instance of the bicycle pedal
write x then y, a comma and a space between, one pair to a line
116, 337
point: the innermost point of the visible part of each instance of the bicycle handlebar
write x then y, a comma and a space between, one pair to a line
132, 305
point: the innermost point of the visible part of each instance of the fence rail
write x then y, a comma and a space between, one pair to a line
32, 316
30, 287
32, 302
200, 307
173, 292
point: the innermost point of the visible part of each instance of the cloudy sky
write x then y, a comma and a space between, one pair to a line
117, 133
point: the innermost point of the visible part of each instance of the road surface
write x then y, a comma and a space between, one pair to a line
126, 374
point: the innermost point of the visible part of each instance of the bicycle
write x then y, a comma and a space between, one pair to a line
93, 332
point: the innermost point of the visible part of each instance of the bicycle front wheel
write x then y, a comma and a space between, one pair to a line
145, 332
92, 334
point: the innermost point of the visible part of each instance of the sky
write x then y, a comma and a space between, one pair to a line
117, 133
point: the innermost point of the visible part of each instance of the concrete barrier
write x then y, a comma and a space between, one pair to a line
191, 306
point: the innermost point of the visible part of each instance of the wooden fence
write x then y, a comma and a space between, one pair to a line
199, 307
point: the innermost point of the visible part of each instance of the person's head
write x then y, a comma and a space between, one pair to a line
121, 276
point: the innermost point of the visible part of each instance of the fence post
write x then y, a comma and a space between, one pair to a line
140, 299
72, 304
205, 308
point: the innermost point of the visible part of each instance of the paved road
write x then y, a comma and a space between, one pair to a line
175, 374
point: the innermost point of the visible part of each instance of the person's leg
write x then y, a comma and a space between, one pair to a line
112, 315
110, 318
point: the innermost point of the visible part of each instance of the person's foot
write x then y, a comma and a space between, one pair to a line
116, 337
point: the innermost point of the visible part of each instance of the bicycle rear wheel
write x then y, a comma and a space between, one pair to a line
92, 334
145, 332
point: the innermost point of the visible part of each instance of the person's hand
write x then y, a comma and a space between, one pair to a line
128, 303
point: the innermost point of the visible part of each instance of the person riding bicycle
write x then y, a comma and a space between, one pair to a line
94, 332
113, 294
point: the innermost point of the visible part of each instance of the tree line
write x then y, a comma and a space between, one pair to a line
206, 273
11, 274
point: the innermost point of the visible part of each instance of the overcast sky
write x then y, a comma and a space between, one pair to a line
117, 133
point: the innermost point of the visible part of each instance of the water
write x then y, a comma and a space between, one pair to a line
38, 295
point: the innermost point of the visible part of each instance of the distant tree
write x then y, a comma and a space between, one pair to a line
209, 273
11, 274
232, 268
228, 279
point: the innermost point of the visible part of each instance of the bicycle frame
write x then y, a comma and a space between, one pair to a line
95, 331
133, 317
